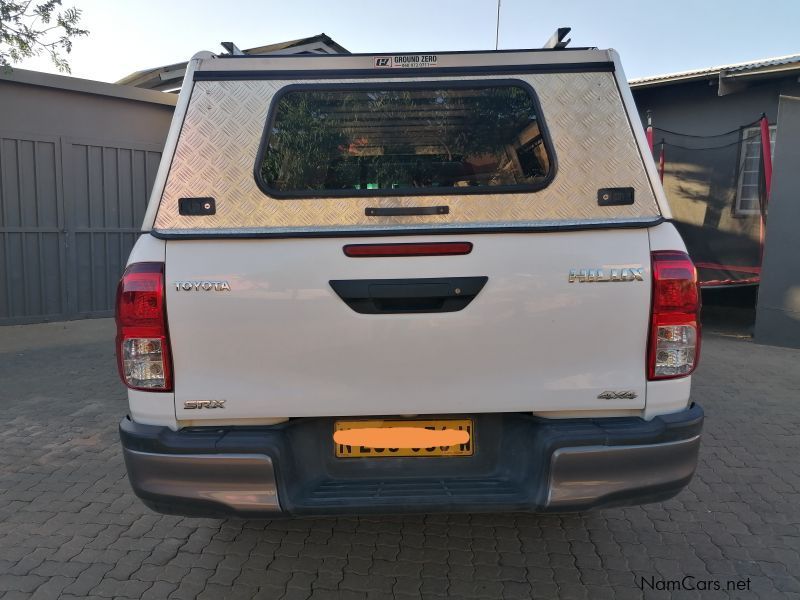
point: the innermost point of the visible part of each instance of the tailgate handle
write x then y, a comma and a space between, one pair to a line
406, 211
393, 296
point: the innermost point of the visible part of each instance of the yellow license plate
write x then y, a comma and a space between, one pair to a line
387, 438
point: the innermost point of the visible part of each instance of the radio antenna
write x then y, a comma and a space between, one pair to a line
497, 29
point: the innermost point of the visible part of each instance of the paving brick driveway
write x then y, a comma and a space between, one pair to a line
70, 526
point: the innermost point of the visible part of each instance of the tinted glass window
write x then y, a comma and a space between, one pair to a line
439, 139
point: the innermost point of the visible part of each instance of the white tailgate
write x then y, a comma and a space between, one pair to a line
281, 343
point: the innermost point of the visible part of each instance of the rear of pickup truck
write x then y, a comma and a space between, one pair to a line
376, 293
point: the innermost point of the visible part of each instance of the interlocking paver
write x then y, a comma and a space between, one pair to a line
52, 588
70, 526
20, 583
113, 588
88, 579
159, 590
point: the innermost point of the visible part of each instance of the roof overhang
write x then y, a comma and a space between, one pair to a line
169, 77
86, 86
734, 81
729, 78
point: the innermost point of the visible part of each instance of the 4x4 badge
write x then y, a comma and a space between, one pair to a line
624, 395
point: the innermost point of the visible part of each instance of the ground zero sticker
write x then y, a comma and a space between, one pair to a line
405, 61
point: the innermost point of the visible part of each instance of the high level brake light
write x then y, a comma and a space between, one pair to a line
407, 249
674, 346
143, 353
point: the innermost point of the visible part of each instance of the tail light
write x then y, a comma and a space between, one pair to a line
143, 353
674, 346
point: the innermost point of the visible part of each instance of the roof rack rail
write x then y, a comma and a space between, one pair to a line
557, 41
233, 49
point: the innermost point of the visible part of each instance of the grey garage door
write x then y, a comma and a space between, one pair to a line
70, 210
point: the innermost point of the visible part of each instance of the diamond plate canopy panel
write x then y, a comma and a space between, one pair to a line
216, 153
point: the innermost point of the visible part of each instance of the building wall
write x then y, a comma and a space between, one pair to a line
52, 111
701, 184
778, 312
76, 171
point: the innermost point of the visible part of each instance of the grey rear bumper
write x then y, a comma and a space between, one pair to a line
241, 483
521, 463
580, 476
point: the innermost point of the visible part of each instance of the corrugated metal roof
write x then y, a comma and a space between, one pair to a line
743, 67
322, 37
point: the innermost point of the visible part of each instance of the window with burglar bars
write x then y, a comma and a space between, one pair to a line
748, 187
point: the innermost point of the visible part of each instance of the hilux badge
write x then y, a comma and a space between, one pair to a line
614, 274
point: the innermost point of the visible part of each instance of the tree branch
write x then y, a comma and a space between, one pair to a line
26, 31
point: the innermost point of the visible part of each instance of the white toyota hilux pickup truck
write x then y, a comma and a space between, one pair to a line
407, 282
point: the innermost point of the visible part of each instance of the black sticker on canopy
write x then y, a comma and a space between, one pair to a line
405, 61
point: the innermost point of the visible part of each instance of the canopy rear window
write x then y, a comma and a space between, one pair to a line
401, 139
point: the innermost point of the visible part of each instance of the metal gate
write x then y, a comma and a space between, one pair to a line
70, 211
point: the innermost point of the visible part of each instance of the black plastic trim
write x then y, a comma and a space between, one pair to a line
406, 211
618, 196
197, 207
433, 230
243, 75
610, 431
406, 192
401, 296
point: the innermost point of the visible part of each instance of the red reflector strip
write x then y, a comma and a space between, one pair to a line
422, 249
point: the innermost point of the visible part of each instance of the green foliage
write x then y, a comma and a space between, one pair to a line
323, 139
303, 129
30, 29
